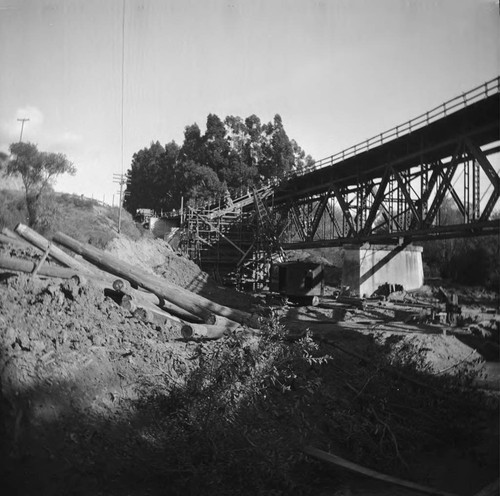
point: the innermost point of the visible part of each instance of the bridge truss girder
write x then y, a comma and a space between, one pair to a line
402, 202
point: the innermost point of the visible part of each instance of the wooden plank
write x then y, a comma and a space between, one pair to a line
354, 467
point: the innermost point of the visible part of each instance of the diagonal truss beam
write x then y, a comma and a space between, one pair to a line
491, 174
441, 192
344, 206
453, 193
297, 222
320, 210
406, 194
377, 201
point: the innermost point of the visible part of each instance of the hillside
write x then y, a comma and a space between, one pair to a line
84, 219
97, 399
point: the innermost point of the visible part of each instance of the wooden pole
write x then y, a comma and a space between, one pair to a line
11, 234
42, 260
7, 240
191, 331
144, 298
191, 302
18, 265
56, 253
341, 462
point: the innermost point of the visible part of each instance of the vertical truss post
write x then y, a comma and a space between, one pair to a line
476, 191
467, 202
403, 182
491, 174
424, 184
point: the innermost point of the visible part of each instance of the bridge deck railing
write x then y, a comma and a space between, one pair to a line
481, 92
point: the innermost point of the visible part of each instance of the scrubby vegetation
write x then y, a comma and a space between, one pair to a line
242, 419
82, 218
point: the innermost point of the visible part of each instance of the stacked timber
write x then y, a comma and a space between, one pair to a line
147, 296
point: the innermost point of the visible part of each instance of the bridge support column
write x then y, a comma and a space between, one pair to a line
367, 267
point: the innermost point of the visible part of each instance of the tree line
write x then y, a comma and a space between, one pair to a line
231, 155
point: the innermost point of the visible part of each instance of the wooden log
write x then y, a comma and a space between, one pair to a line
190, 331
181, 297
18, 265
155, 316
221, 327
352, 301
11, 234
56, 253
142, 298
7, 240
121, 285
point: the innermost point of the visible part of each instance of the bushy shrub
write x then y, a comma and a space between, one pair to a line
216, 421
12, 209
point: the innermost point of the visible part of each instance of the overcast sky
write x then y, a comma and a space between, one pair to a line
337, 71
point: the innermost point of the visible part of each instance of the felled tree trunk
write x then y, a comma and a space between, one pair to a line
56, 253
191, 302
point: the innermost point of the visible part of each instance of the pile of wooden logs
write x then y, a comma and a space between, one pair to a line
148, 296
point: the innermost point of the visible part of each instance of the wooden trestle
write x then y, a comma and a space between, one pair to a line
232, 243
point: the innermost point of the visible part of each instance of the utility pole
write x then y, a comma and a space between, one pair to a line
121, 179
22, 121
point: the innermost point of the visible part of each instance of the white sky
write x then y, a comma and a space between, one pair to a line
337, 71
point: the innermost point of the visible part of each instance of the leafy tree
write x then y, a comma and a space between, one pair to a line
230, 155
215, 144
151, 176
192, 148
38, 171
199, 184
278, 151
463, 260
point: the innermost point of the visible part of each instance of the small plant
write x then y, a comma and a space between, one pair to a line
225, 421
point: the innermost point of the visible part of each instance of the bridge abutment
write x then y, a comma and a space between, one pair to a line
367, 267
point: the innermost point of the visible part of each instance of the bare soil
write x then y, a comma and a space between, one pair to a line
83, 388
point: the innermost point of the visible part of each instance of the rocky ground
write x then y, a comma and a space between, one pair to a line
96, 401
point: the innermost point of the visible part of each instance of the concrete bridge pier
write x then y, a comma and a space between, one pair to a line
368, 266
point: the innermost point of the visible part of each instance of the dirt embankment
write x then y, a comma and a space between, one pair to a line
70, 361
86, 389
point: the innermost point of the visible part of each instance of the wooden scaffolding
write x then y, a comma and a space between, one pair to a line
233, 243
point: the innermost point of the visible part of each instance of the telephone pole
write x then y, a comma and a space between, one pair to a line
22, 121
121, 179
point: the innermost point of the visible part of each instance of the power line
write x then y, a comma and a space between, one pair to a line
123, 81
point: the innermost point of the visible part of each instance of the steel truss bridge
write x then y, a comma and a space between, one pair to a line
392, 187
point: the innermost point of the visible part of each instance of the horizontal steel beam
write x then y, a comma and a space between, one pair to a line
442, 232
